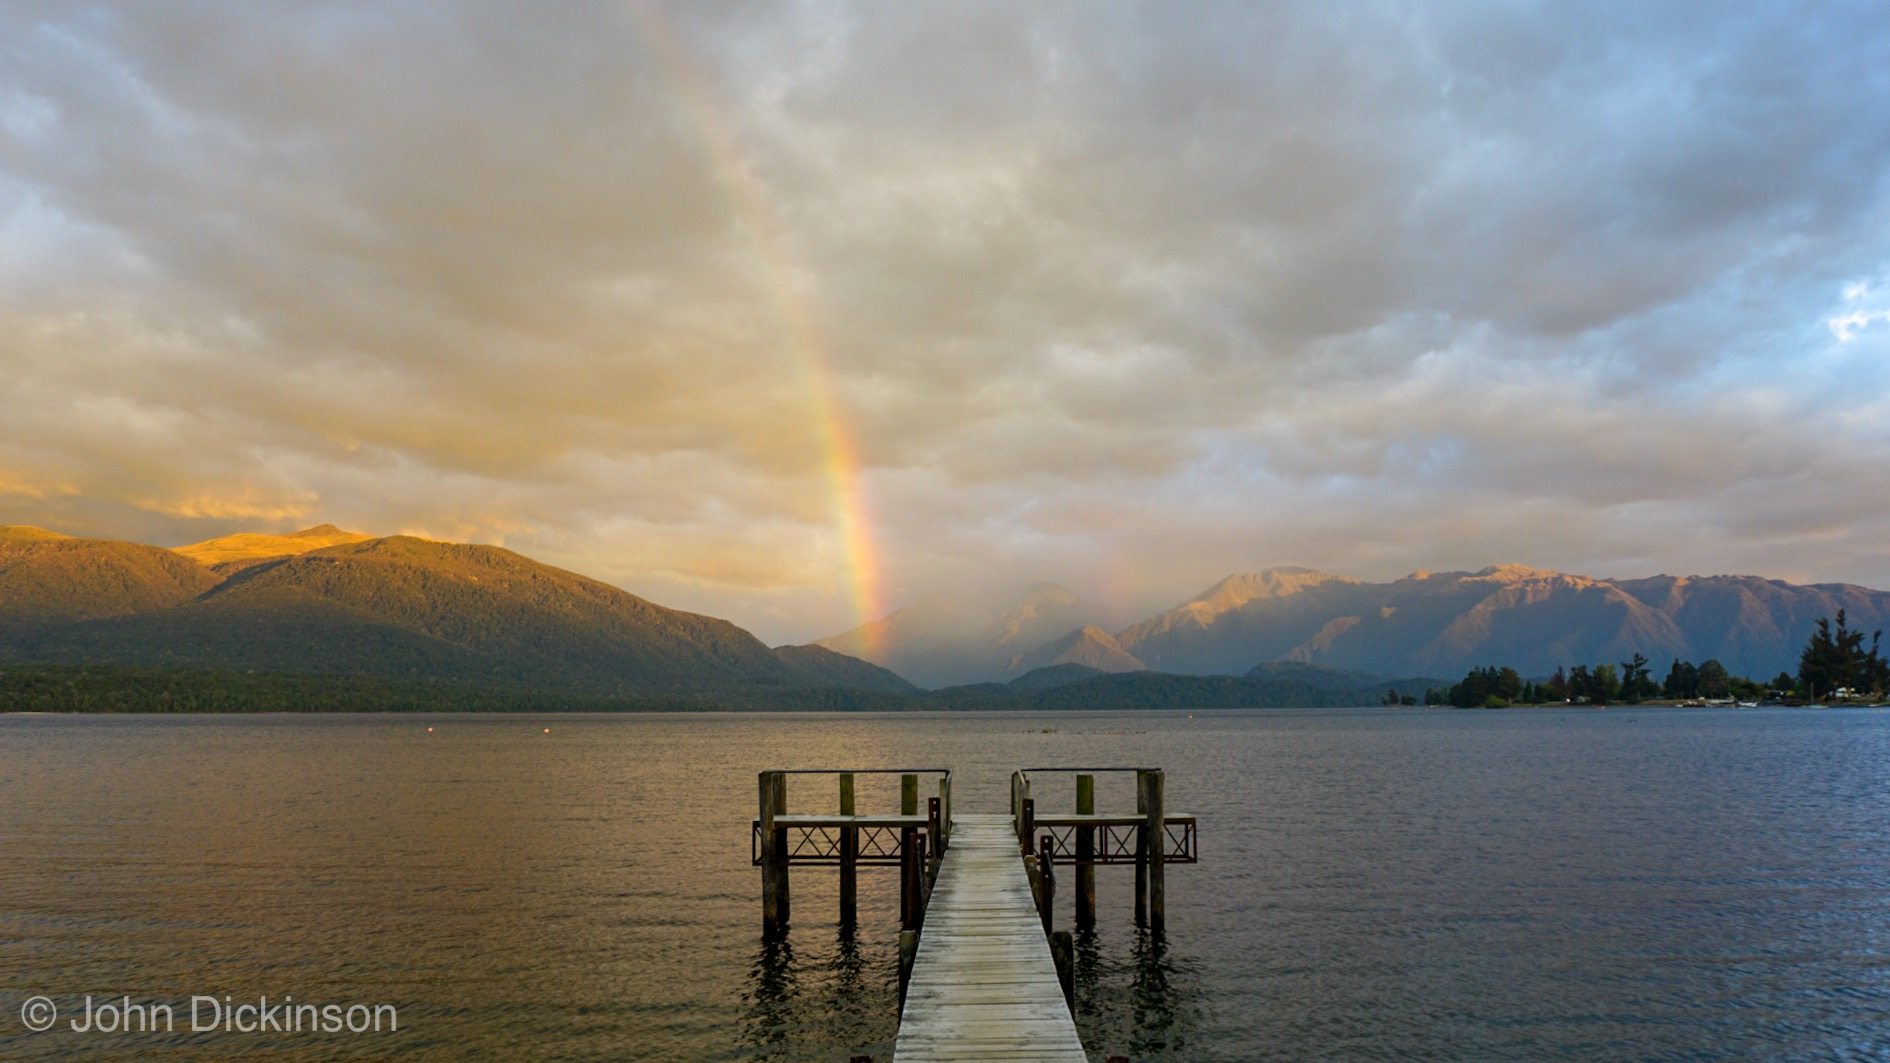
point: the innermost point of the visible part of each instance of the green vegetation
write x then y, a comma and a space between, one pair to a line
1835, 663
106, 688
1834, 666
103, 688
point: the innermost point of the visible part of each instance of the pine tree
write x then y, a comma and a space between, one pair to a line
1835, 659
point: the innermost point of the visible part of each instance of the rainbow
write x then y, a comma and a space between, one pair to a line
804, 337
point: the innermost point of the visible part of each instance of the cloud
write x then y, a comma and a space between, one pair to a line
1127, 296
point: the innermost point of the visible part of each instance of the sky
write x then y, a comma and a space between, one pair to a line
793, 313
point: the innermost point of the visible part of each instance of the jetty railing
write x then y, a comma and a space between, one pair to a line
1151, 838
912, 841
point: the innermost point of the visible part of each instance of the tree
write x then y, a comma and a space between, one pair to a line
1683, 681
1834, 659
1490, 687
1581, 685
1634, 682
1606, 686
1557, 687
1715, 681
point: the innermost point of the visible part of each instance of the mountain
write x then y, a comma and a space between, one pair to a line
48, 580
391, 609
951, 640
819, 666
1054, 675
1533, 619
1089, 646
413, 608
1243, 620
247, 548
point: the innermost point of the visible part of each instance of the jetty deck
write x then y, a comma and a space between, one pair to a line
984, 985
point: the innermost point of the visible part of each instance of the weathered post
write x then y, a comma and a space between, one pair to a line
774, 856
1141, 852
1085, 853
849, 856
912, 882
1048, 907
944, 813
908, 955
1149, 787
933, 810
1021, 810
908, 845
1063, 951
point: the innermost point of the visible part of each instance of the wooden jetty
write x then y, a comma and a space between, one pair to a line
984, 985
983, 973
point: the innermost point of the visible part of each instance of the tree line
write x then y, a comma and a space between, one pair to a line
1833, 666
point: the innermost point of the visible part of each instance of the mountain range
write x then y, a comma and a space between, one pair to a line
328, 602
404, 618
1426, 624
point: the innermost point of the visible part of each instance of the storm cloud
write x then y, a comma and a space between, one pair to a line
1127, 296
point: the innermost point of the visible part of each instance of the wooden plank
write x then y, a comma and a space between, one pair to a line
984, 985
803, 820
1106, 819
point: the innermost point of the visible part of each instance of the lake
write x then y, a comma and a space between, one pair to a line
1417, 884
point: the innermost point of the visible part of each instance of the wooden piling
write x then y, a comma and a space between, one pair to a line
849, 856
908, 952
1063, 951
910, 867
774, 856
944, 814
1048, 903
1021, 812
934, 832
1141, 853
1150, 800
1085, 853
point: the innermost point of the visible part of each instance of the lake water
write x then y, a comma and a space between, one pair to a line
1416, 884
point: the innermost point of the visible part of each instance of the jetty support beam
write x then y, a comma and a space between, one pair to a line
774, 855
849, 856
1151, 894
1085, 854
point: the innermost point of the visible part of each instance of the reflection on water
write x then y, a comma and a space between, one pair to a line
773, 998
839, 994
1144, 1003
1132, 997
1430, 885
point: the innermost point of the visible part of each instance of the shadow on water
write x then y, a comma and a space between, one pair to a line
839, 997
1146, 1005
